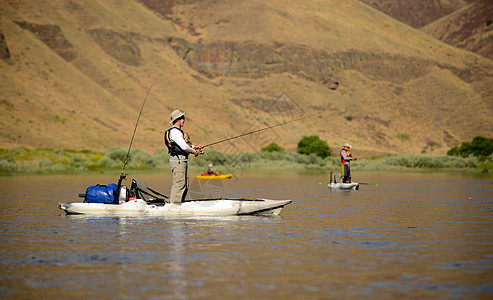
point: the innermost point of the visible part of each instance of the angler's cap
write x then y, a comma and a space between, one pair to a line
175, 115
346, 145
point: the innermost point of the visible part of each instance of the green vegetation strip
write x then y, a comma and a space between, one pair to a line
22, 161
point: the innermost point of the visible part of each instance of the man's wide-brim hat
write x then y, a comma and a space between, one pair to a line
175, 115
346, 145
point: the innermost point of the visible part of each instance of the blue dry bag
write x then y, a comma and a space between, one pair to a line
101, 193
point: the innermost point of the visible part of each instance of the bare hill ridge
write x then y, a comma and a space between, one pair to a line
466, 24
418, 13
468, 28
77, 73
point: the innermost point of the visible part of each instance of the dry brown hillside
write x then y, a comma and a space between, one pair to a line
75, 74
466, 24
418, 13
469, 28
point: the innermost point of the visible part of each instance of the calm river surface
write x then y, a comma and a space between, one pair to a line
416, 236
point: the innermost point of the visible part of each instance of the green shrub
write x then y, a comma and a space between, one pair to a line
215, 157
114, 157
117, 154
273, 147
403, 137
160, 158
9, 166
416, 162
277, 155
313, 144
480, 146
140, 156
243, 157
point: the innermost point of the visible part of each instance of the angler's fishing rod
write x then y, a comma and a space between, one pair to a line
255, 131
123, 176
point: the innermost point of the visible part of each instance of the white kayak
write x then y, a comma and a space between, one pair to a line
343, 186
209, 207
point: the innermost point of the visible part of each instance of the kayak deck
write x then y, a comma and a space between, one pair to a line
211, 207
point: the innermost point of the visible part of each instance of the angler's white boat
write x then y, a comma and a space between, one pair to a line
210, 207
343, 186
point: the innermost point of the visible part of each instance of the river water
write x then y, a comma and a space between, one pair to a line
415, 236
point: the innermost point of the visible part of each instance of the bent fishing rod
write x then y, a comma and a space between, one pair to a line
123, 176
256, 131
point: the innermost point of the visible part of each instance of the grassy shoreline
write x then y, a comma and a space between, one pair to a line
45, 161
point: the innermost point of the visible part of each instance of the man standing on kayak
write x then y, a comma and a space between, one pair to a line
179, 147
346, 157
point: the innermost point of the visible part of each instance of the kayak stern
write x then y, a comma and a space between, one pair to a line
352, 186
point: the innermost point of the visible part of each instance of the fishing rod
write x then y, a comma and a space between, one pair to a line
255, 131
123, 176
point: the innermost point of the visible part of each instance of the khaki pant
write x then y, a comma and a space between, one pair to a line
179, 187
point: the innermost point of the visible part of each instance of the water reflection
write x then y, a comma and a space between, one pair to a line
415, 236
